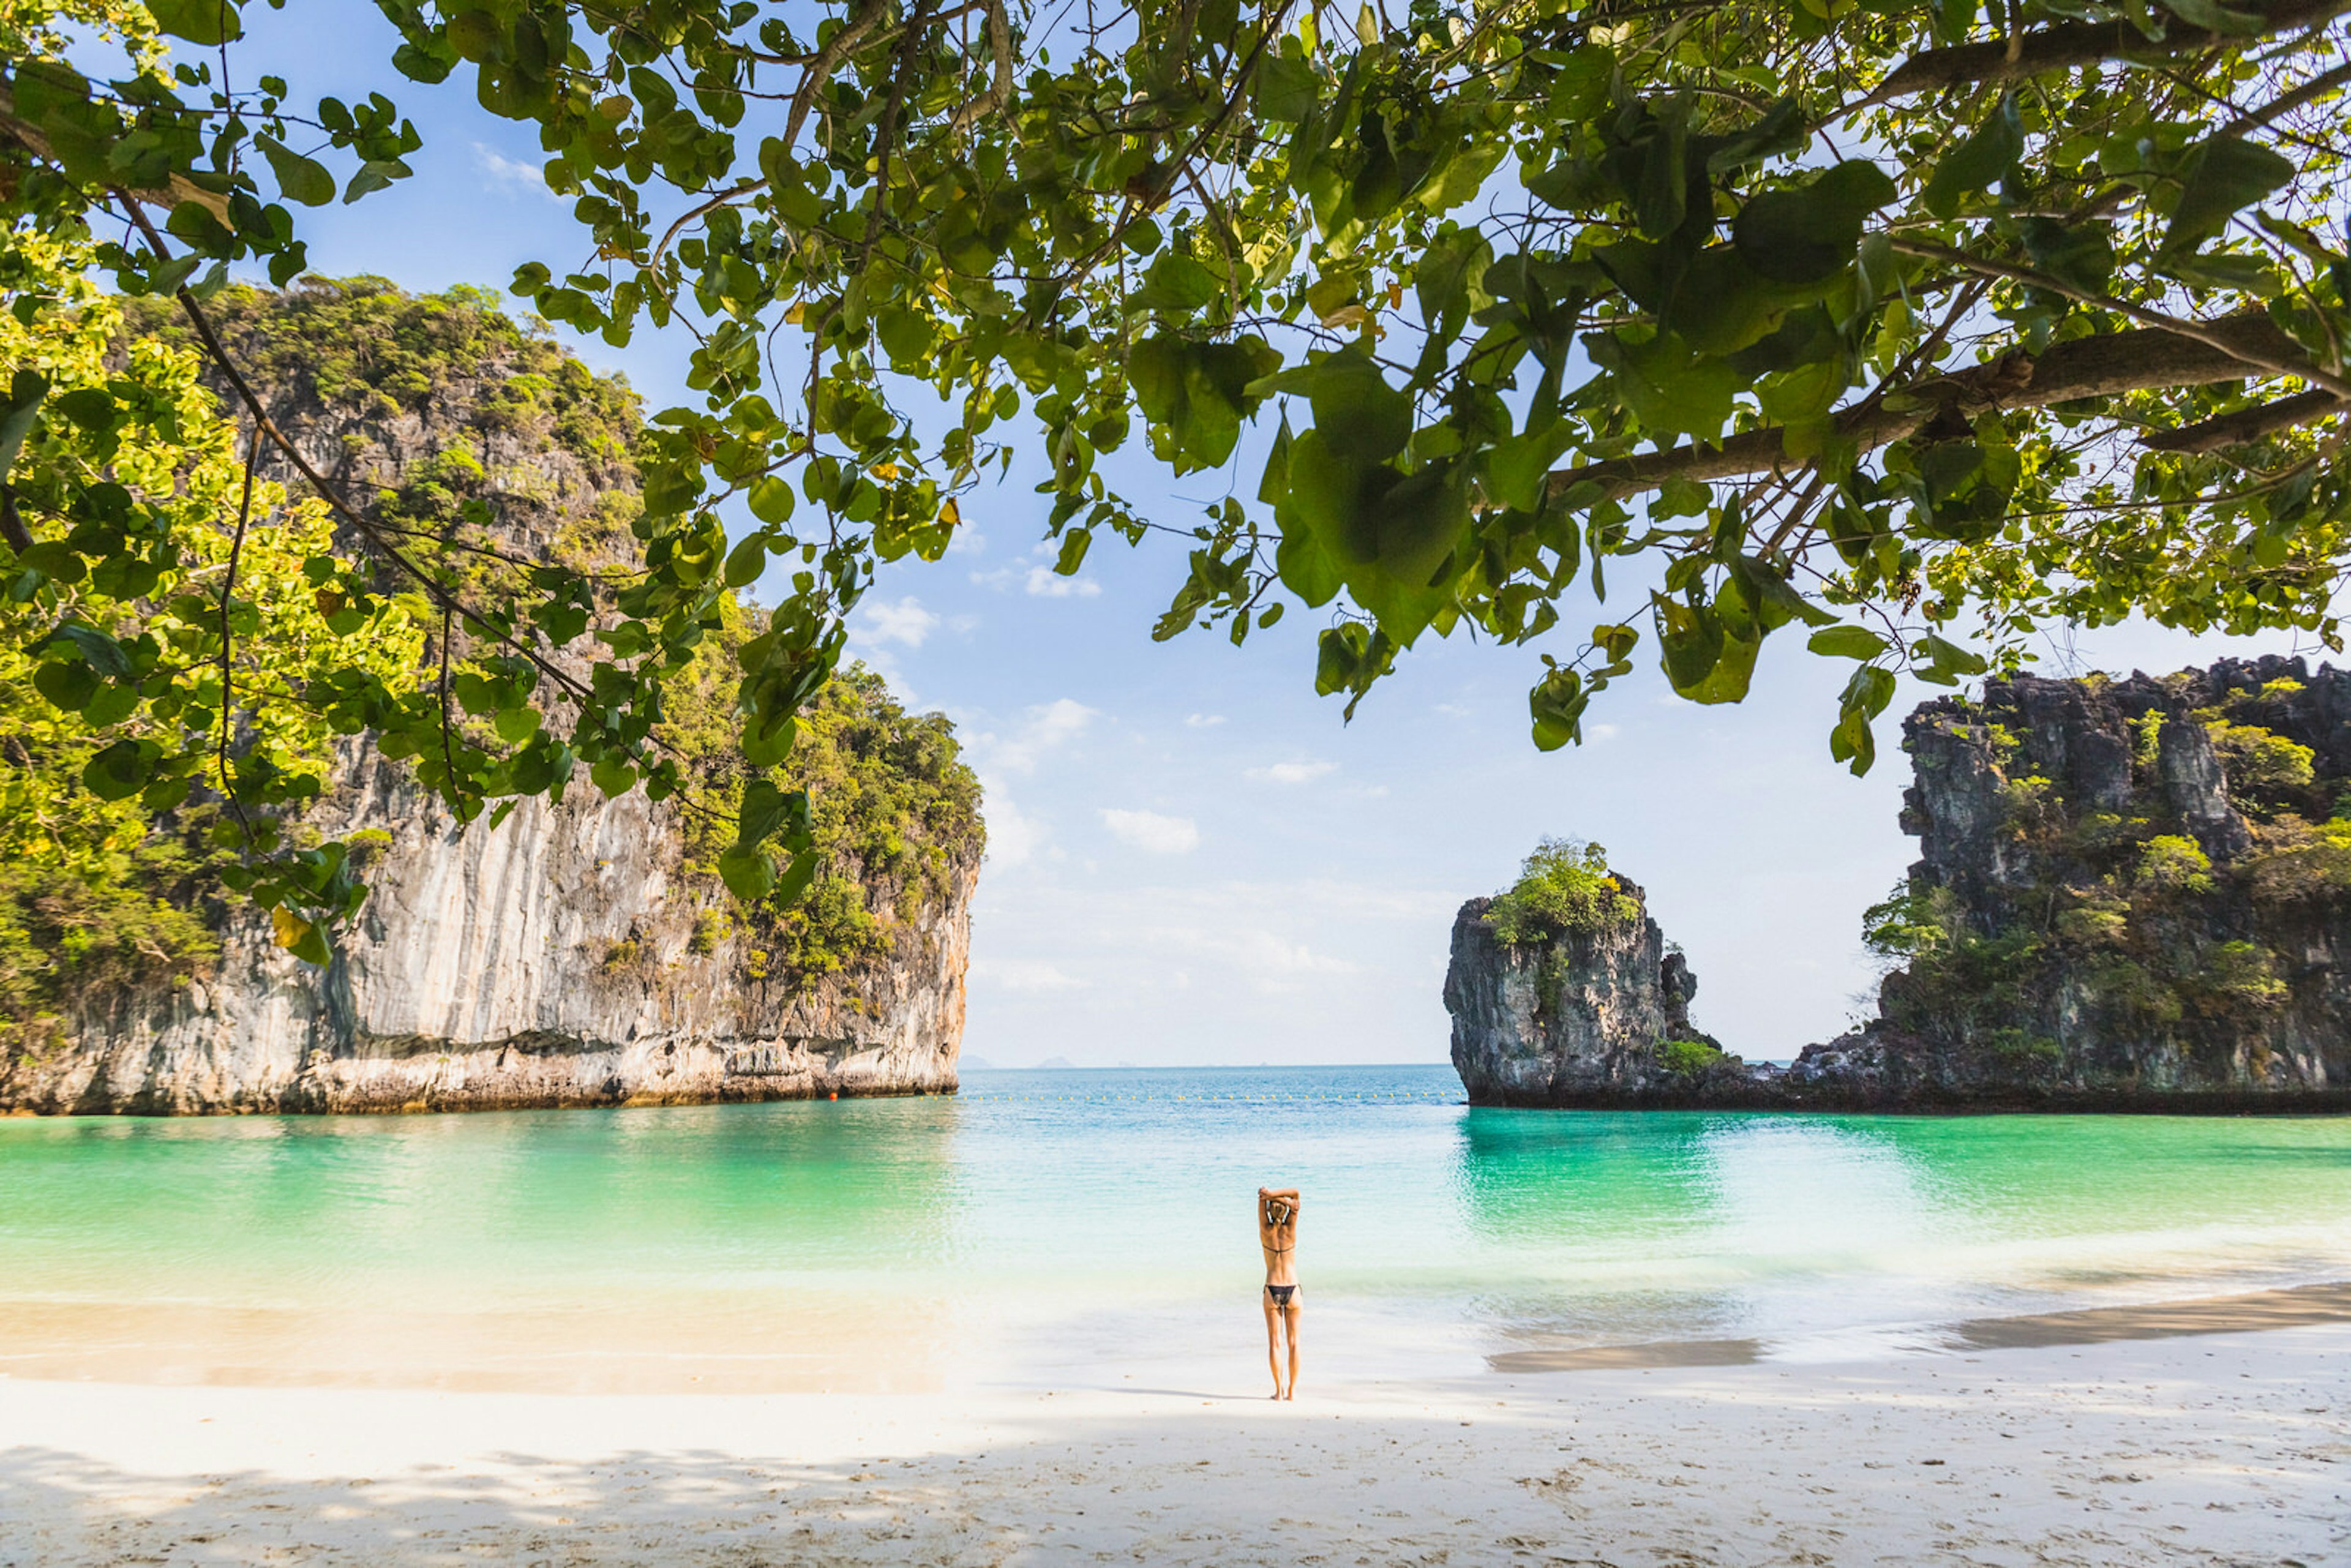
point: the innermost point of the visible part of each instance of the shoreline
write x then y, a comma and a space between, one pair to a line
819, 1345
2223, 1449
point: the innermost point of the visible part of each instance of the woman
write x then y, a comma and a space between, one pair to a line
1277, 1233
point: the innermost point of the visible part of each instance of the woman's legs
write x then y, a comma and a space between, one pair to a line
1272, 1338
1291, 1315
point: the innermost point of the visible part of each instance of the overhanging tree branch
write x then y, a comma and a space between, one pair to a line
2104, 366
2074, 43
2246, 424
2284, 356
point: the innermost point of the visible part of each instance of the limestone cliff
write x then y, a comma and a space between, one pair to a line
563, 958
1578, 1004
576, 954
2131, 894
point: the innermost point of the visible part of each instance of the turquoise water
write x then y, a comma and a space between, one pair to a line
1046, 1226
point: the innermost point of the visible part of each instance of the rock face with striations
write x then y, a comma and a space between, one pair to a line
562, 959
577, 953
2131, 895
1582, 1012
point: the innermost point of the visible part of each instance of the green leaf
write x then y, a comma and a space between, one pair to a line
769, 744
1945, 663
301, 179
205, 22
118, 772
1177, 282
375, 174
797, 877
748, 874
1556, 705
1987, 155
1418, 523
1671, 390
771, 500
615, 776
1866, 695
1306, 567
1446, 278
298, 937
746, 561
515, 725
1847, 642
1360, 418
767, 811
27, 387
68, 685
92, 408
1808, 234
99, 650
2224, 175
1518, 468
2080, 254
2214, 17
1286, 86
1689, 641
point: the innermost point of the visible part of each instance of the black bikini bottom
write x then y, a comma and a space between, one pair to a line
1281, 1293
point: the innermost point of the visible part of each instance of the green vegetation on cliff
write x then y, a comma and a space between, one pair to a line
497, 451
2165, 869
1565, 885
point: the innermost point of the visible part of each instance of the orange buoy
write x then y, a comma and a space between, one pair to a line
834, 1096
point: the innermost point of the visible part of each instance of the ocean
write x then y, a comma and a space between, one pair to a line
1052, 1228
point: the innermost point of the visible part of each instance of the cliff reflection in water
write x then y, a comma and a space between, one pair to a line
637, 1250
1808, 1229
1672, 1225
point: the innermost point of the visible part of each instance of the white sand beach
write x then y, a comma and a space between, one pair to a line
2223, 1449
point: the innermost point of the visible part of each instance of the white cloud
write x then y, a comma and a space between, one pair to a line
508, 170
1013, 838
1268, 961
1024, 975
1046, 728
1292, 772
1203, 720
1046, 583
1152, 833
906, 621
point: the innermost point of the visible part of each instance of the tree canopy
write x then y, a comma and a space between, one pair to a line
1902, 326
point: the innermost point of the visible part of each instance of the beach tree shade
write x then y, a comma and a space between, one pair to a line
1902, 328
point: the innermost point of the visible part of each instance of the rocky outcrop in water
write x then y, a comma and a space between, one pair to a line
1590, 1012
2131, 895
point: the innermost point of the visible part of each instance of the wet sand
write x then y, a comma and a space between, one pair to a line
2203, 1448
2295, 1307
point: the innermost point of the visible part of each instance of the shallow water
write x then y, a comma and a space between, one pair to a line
1046, 1228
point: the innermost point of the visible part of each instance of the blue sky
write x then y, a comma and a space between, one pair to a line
1193, 860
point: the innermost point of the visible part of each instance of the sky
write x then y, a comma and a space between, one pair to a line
1192, 858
